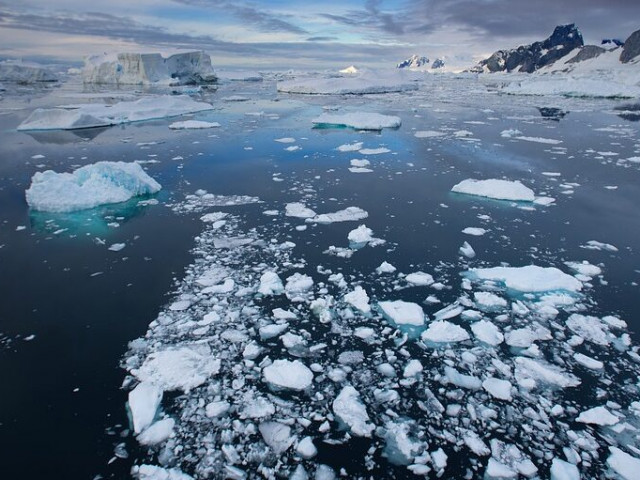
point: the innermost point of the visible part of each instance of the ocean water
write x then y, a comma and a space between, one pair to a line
63, 410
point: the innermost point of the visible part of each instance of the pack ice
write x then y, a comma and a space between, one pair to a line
102, 115
88, 187
358, 120
358, 83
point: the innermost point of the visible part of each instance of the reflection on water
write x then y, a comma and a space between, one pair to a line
96, 221
630, 112
62, 137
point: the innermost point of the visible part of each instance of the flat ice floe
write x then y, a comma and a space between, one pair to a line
88, 187
496, 189
102, 115
530, 278
193, 125
357, 84
358, 120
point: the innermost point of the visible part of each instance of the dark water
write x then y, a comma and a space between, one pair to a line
62, 411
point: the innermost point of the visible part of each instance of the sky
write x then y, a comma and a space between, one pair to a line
300, 34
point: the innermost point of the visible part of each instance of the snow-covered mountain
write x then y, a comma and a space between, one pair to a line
529, 58
414, 61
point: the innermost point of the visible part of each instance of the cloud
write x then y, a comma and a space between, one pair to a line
321, 39
256, 16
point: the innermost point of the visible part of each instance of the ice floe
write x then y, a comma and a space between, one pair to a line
101, 115
496, 189
358, 120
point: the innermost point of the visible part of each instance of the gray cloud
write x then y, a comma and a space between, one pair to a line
256, 16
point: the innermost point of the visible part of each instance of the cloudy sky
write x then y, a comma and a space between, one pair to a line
288, 33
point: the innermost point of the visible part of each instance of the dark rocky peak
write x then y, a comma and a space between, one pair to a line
631, 48
529, 58
612, 41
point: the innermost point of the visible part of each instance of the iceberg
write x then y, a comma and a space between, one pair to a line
25, 73
144, 401
496, 189
190, 68
358, 120
623, 464
403, 313
102, 115
88, 187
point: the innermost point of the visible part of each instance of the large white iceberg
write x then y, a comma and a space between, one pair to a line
188, 68
89, 186
25, 72
102, 115
495, 188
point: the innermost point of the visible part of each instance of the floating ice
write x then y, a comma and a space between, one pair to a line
496, 189
182, 368
360, 235
623, 464
88, 187
351, 411
270, 284
151, 472
561, 470
403, 313
597, 416
385, 267
359, 299
144, 401
500, 389
467, 250
298, 210
460, 380
277, 435
476, 232
157, 433
357, 84
193, 125
419, 279
488, 300
530, 278
487, 332
538, 370
101, 115
359, 120
349, 214
350, 147
292, 375
442, 331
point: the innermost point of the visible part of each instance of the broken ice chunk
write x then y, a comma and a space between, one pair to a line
144, 401
403, 313
351, 411
442, 331
270, 284
157, 433
623, 464
277, 436
500, 389
597, 416
359, 299
181, 368
286, 374
561, 470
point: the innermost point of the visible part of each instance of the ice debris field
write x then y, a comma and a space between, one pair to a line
320, 358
